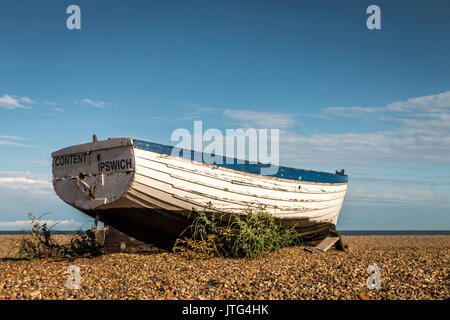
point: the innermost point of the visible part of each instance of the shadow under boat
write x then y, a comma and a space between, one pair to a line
162, 227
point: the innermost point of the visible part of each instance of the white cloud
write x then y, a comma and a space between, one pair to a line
12, 102
26, 100
31, 183
421, 133
54, 105
50, 103
392, 146
97, 104
430, 105
14, 144
41, 163
204, 109
12, 138
11, 141
27, 223
187, 116
200, 108
363, 193
261, 119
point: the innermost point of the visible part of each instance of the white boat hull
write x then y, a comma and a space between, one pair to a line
149, 194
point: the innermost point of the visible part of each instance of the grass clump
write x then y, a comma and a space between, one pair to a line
40, 244
250, 234
80, 245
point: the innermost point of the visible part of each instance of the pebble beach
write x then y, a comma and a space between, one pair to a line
411, 267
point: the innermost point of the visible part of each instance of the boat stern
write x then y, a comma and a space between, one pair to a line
89, 176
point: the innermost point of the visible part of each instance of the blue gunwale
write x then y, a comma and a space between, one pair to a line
249, 167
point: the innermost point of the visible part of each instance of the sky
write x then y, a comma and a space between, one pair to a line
373, 102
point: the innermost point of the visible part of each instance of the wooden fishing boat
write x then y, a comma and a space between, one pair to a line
144, 190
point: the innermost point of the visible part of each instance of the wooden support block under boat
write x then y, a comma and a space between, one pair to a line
327, 243
333, 239
114, 241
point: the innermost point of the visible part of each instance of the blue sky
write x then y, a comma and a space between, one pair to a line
374, 102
